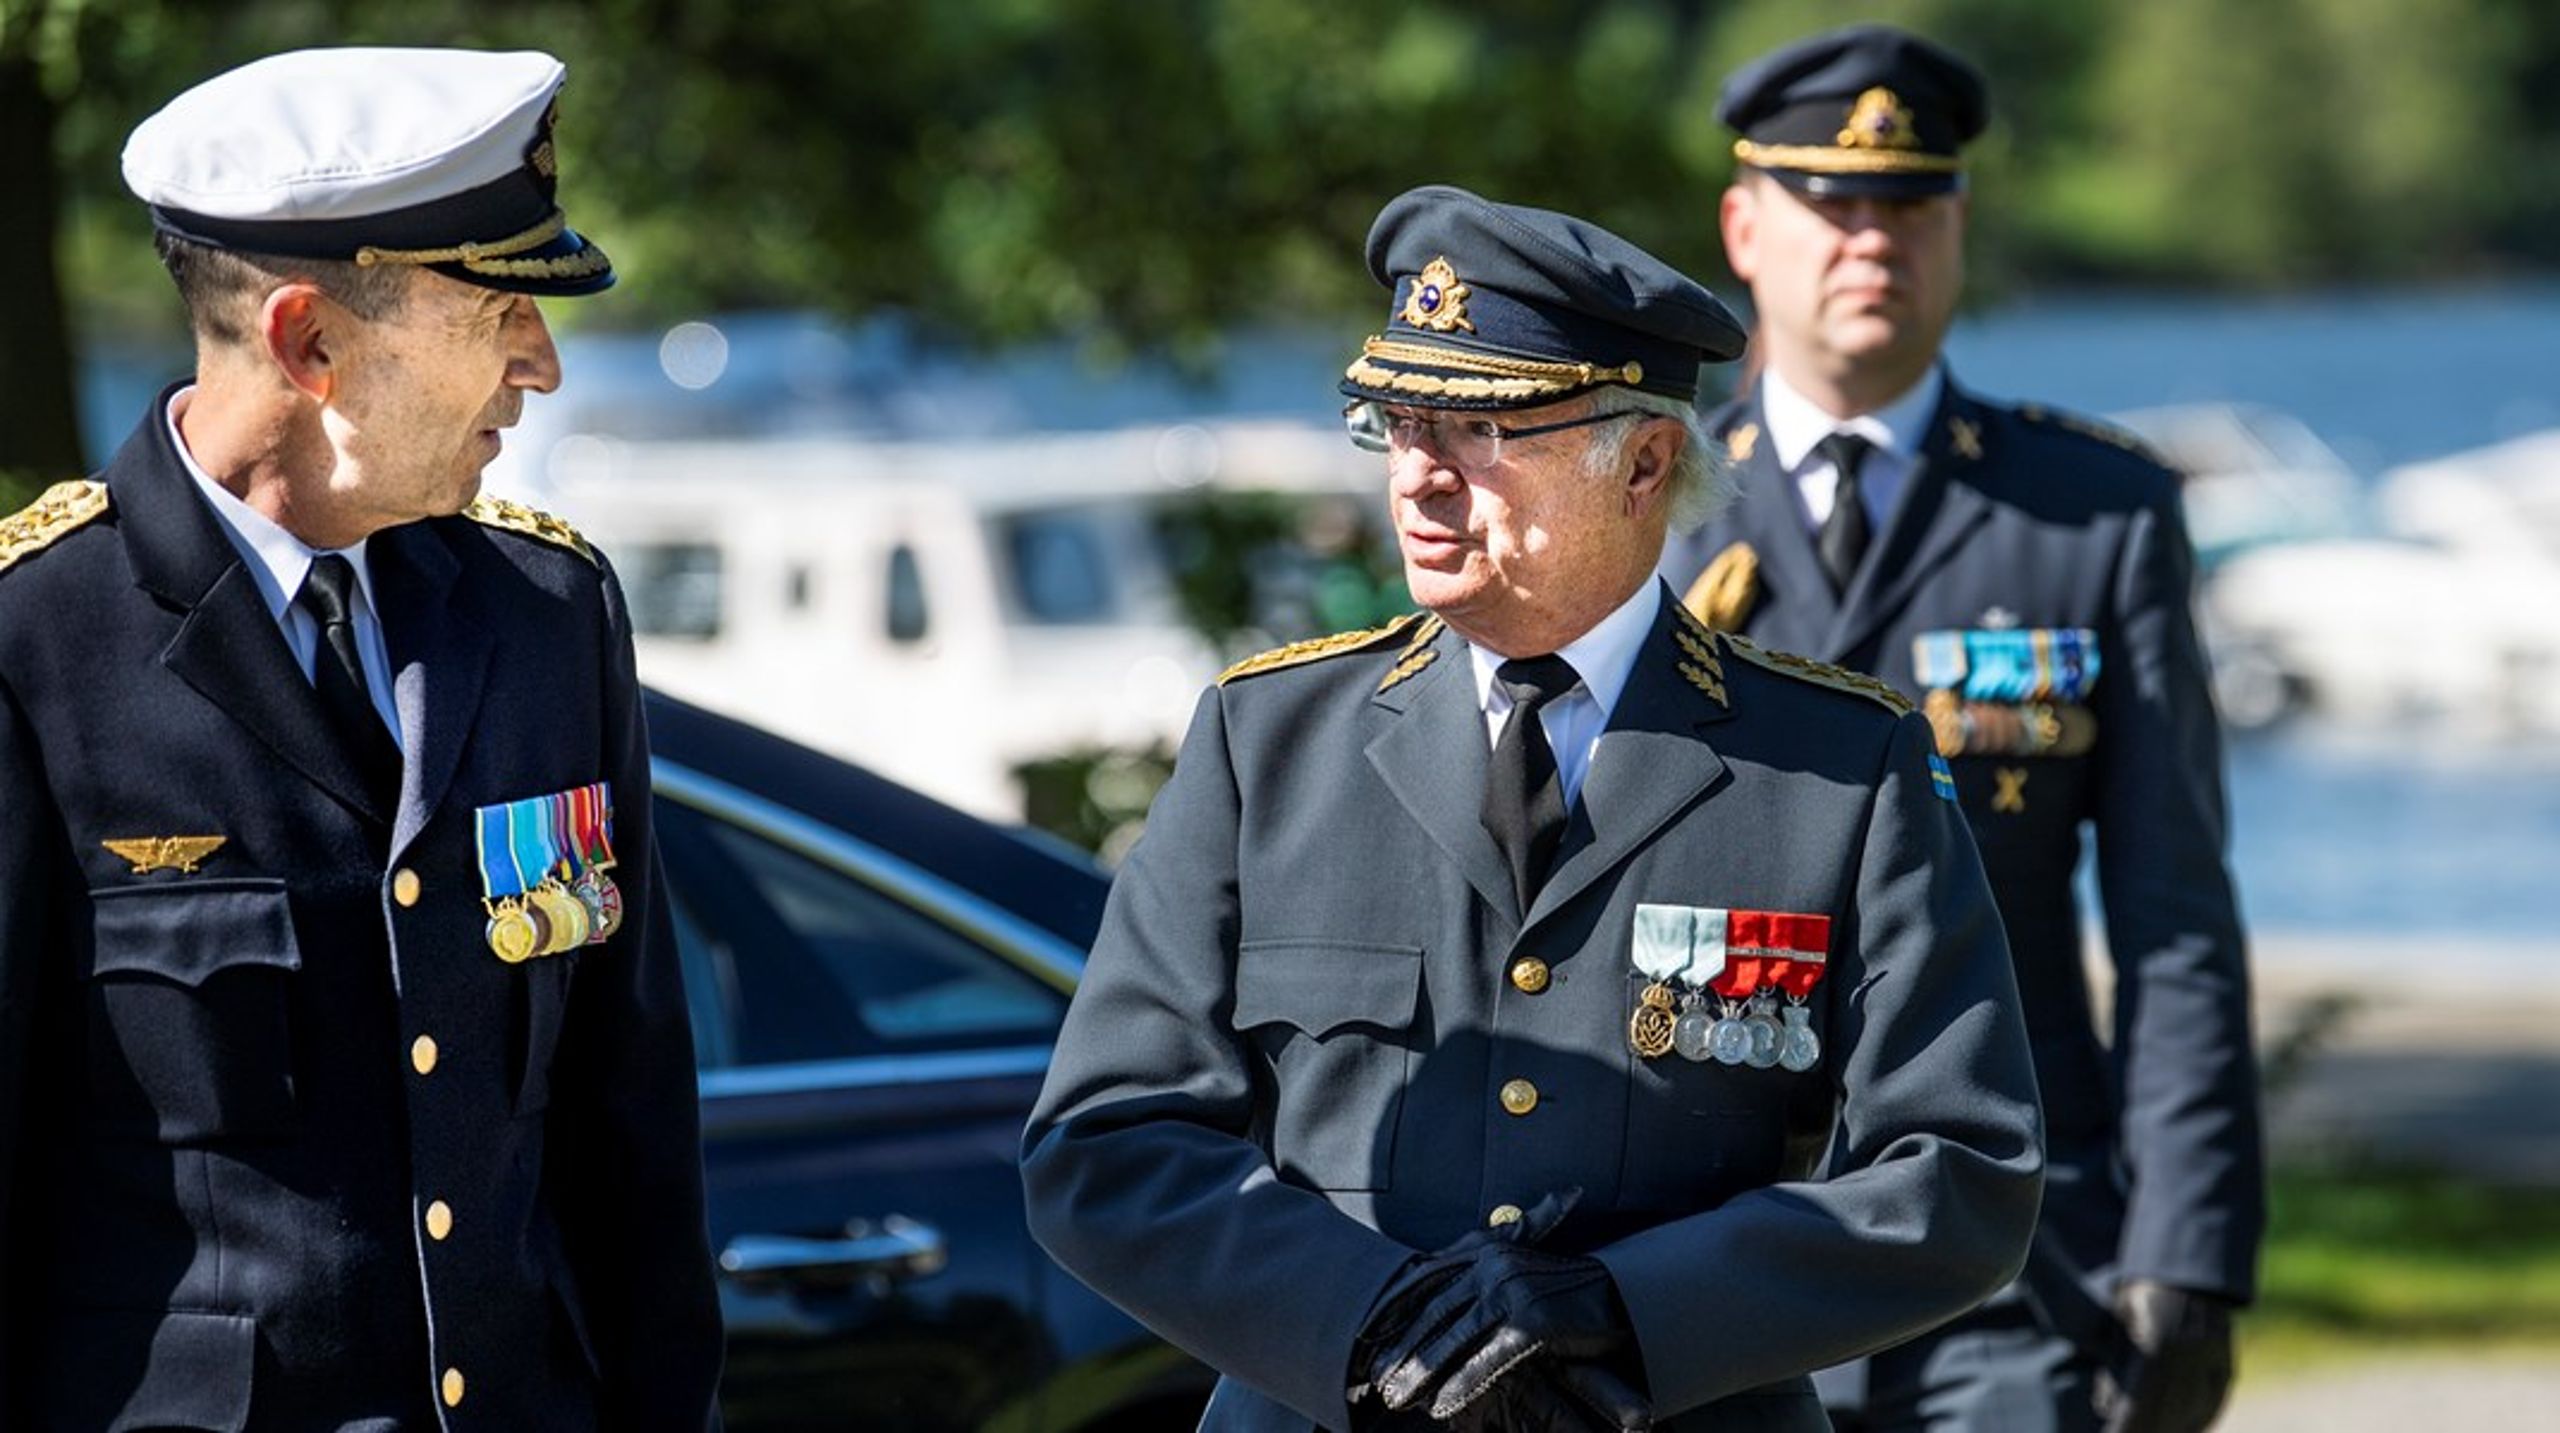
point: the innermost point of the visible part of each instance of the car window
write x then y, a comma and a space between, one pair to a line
812, 963
673, 588
1060, 566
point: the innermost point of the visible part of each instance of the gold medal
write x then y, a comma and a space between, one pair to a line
513, 936
565, 918
1649, 1029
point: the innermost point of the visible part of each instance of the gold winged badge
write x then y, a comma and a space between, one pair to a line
165, 853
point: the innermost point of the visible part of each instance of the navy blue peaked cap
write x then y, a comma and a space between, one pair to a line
1501, 306
1867, 109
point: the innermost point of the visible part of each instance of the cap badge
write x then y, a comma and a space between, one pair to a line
1879, 120
1438, 301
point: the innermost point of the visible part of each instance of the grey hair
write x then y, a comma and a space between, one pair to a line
1701, 478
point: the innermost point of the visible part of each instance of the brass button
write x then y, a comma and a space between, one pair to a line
422, 1054
1502, 1214
404, 886
439, 1220
1530, 974
452, 1389
1519, 1096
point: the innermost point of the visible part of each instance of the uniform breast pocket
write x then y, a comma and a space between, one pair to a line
189, 1035
1335, 1019
1700, 1131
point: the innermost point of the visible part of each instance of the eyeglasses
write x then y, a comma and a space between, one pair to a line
1465, 440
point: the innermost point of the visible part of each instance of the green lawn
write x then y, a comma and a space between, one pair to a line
2361, 1261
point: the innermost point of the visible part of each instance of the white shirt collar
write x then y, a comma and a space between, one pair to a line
1795, 423
277, 560
1603, 657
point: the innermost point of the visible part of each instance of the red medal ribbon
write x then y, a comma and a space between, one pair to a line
1783, 949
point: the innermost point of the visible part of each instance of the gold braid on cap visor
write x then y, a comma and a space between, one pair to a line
491, 258
1504, 377
1826, 159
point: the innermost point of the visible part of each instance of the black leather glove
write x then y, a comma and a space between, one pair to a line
2180, 1368
1543, 1396
1418, 1286
1506, 1305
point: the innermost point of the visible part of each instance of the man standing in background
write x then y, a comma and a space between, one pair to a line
2025, 575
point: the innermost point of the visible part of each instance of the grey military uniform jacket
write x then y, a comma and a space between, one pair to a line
1303, 1049
2038, 524
234, 1090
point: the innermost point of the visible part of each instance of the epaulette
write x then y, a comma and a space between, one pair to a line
55, 512
2107, 433
532, 522
1316, 649
1821, 674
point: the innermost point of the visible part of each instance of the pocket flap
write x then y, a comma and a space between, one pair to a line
187, 932
1319, 986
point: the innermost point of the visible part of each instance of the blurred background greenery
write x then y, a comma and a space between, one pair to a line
1147, 176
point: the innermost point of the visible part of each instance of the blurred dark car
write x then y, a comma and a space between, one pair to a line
876, 980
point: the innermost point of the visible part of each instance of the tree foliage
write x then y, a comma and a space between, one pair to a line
1151, 173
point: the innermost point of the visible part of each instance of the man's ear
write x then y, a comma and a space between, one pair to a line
297, 324
1656, 447
1738, 217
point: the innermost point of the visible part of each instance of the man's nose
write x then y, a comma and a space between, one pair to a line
533, 360
1418, 471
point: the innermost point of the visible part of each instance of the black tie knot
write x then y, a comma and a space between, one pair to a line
328, 592
1535, 681
1846, 452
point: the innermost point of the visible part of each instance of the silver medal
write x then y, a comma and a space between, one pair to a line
1729, 1041
1765, 1037
1692, 1037
1803, 1048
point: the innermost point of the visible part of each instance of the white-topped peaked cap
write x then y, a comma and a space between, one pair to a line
443, 158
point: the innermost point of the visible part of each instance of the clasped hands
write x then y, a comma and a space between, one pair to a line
1494, 1335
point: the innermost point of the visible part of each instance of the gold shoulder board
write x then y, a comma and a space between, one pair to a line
1318, 648
1821, 674
42, 523
532, 522
1723, 595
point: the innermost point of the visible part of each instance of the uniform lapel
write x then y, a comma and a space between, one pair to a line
1941, 505
1433, 756
1796, 601
228, 646
1650, 765
440, 643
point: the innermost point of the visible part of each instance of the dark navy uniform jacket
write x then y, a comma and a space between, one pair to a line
1306, 1045
230, 1098
2022, 519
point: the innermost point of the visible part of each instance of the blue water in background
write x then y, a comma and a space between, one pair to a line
2332, 833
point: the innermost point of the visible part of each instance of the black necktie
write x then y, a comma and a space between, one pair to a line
1843, 539
1523, 795
337, 672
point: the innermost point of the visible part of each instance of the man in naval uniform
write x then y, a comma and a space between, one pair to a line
1464, 1034
345, 1078
2024, 575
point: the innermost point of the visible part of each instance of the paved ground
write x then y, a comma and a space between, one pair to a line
2439, 1395
2460, 1066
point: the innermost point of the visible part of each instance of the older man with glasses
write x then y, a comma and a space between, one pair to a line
1464, 1034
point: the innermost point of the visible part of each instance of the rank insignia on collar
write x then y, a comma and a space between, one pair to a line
1438, 301
1964, 438
181, 854
1879, 120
